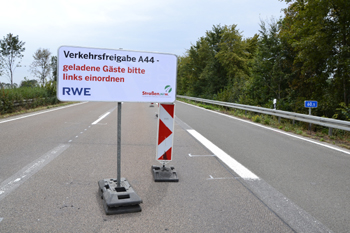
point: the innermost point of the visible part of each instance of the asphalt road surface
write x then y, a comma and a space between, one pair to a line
234, 176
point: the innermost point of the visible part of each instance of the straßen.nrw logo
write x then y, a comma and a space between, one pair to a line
168, 89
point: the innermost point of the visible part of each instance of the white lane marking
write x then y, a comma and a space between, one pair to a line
221, 178
200, 155
101, 117
1, 219
298, 219
275, 130
38, 113
294, 216
25, 173
228, 160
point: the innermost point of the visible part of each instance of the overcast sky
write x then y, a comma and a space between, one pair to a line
168, 26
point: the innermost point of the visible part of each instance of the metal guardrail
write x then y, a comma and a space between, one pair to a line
327, 122
23, 102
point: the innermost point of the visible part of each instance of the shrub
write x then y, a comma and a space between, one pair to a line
256, 119
12, 100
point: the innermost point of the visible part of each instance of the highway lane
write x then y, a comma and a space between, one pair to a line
22, 141
313, 177
62, 196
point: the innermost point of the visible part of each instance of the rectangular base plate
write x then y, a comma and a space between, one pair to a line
118, 200
121, 209
164, 174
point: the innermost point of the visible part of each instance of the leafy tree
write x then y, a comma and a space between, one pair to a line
193, 68
54, 68
41, 65
29, 83
218, 65
271, 69
199, 71
319, 32
11, 49
182, 75
8, 85
1, 66
217, 74
233, 56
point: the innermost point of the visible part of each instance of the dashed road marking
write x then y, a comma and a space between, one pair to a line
25, 173
101, 117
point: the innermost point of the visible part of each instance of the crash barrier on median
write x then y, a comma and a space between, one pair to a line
327, 122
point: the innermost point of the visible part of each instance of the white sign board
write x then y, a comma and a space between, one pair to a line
90, 74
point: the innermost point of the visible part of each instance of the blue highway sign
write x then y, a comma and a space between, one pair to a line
310, 104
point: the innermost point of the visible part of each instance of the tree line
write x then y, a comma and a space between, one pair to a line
11, 53
304, 55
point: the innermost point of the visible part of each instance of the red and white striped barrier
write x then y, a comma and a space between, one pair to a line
165, 133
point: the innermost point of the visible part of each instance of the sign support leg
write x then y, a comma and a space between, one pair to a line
310, 123
119, 138
117, 194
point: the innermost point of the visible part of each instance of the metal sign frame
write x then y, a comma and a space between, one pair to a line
91, 74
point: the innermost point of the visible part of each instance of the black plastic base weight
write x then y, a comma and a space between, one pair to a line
164, 174
118, 200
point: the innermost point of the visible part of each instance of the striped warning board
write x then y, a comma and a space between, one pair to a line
165, 132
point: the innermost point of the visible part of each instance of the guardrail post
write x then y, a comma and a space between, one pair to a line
330, 131
279, 120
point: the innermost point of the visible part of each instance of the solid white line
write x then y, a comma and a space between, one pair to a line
228, 160
275, 130
98, 120
38, 113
